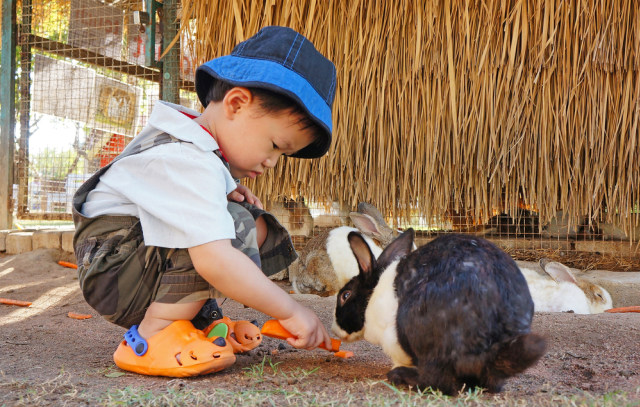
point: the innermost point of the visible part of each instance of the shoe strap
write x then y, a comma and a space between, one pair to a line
135, 341
221, 329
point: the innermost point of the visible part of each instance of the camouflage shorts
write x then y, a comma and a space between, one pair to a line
120, 276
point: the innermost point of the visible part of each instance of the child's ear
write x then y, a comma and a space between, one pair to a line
236, 99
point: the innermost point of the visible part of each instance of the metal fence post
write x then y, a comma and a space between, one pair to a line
8, 114
24, 98
171, 61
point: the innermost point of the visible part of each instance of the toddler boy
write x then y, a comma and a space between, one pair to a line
165, 227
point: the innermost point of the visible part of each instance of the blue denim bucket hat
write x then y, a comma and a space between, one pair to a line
281, 60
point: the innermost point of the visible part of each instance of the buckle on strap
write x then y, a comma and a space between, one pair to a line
137, 342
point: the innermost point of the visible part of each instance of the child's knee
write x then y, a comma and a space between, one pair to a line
262, 230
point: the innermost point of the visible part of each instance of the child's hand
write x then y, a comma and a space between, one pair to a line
242, 193
307, 330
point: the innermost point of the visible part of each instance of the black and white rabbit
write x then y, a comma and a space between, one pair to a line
455, 312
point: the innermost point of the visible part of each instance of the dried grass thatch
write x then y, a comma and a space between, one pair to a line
468, 107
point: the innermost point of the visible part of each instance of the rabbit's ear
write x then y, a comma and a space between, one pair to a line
366, 224
558, 271
397, 249
362, 252
368, 209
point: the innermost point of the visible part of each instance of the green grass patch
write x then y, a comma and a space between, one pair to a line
267, 371
268, 385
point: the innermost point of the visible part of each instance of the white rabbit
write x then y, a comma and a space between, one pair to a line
326, 263
560, 290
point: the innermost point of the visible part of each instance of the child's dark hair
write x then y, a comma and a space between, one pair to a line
270, 102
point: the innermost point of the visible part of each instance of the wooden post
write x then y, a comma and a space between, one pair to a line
8, 113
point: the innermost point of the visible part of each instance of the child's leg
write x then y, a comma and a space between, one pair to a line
160, 315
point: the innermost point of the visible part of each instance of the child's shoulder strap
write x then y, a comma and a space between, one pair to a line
136, 146
141, 144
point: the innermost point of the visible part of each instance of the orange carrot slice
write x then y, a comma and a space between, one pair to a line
632, 308
335, 345
345, 354
78, 316
273, 329
19, 303
67, 264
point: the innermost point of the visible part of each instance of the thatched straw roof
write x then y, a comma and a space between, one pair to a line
469, 107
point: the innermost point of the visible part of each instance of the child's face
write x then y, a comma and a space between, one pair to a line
253, 140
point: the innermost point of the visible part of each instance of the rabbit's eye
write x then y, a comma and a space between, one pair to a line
345, 296
600, 296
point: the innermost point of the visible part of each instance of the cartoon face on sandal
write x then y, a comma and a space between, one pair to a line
242, 335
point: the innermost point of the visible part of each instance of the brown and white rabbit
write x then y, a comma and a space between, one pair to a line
455, 312
294, 214
558, 290
326, 263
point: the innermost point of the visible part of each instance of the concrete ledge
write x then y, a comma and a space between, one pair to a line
603, 246
614, 247
19, 242
46, 239
3, 240
67, 240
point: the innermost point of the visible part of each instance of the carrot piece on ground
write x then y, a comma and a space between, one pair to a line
67, 264
19, 303
273, 329
78, 316
345, 354
632, 308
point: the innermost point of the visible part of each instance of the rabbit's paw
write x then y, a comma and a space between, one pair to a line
403, 375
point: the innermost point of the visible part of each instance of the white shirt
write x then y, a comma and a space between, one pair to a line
177, 190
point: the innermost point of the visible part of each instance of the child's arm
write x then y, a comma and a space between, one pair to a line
237, 277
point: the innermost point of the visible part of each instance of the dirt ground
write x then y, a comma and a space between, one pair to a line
597, 354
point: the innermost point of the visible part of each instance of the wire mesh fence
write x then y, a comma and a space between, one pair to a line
87, 83
89, 76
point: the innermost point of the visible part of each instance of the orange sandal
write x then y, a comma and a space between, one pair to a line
243, 335
179, 350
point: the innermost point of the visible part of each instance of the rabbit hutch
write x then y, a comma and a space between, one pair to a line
514, 120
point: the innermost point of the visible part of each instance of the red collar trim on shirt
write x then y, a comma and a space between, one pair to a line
191, 116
